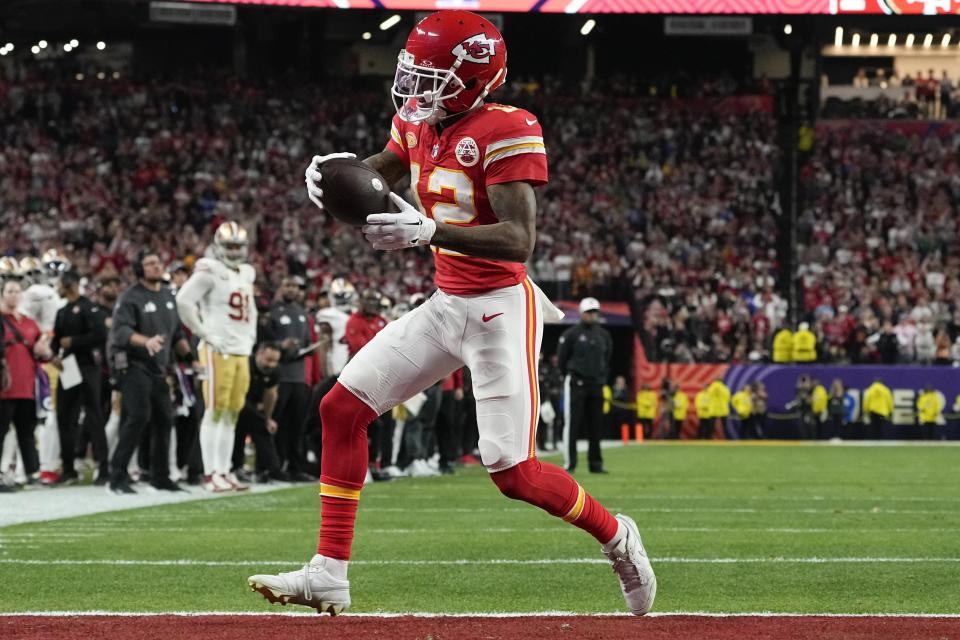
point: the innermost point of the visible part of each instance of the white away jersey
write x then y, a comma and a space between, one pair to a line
40, 302
228, 310
339, 353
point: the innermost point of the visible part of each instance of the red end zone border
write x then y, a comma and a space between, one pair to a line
490, 627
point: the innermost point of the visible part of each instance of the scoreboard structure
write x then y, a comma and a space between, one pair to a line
789, 7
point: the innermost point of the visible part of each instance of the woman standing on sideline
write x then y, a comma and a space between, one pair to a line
24, 346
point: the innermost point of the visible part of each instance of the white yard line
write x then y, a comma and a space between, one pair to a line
479, 562
485, 614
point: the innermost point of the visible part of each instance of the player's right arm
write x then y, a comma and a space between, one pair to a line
201, 282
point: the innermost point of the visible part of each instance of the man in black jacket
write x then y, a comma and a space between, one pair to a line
290, 328
79, 334
584, 358
145, 330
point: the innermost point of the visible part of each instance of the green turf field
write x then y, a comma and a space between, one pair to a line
729, 528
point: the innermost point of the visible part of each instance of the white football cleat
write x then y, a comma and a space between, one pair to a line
234, 482
311, 586
216, 484
631, 564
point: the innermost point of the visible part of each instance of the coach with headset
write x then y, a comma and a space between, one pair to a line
583, 356
145, 329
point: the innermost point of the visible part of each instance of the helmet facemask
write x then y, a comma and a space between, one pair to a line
231, 253
419, 91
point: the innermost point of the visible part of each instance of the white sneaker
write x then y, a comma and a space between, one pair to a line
368, 479
632, 566
311, 586
395, 472
234, 482
216, 484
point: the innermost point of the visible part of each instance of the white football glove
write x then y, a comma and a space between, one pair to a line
390, 231
314, 192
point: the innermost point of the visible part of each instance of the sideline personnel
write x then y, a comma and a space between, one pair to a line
146, 328
584, 358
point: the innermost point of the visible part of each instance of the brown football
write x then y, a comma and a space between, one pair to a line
353, 190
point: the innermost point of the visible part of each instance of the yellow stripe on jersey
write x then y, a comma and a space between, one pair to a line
395, 135
577, 509
515, 150
511, 142
332, 491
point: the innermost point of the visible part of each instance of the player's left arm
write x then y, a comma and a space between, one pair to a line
512, 239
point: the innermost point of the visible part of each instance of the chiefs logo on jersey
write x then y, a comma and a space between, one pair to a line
478, 49
467, 152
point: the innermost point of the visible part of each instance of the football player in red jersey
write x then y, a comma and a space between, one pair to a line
472, 167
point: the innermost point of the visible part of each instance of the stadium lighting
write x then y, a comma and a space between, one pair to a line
3, 51
101, 75
35, 49
855, 41
910, 39
42, 44
838, 37
588, 27
390, 22
116, 75
74, 43
788, 28
874, 41
79, 76
101, 45
927, 41
9, 46
67, 47
367, 35
946, 40
892, 40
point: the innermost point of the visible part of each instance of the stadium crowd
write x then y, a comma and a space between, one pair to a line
668, 204
879, 269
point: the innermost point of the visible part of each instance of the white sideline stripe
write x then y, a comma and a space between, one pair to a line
465, 562
484, 614
96, 532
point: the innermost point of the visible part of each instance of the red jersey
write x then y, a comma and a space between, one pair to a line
360, 330
452, 170
20, 362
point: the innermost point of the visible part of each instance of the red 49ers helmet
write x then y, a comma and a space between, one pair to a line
452, 60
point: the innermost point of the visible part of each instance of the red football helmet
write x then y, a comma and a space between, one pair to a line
453, 59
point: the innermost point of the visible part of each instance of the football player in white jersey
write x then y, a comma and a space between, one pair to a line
217, 305
41, 302
343, 296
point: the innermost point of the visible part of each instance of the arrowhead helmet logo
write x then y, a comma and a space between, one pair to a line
477, 49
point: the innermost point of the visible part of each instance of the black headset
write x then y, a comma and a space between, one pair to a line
138, 263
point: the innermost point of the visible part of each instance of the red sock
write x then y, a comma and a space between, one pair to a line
552, 489
343, 467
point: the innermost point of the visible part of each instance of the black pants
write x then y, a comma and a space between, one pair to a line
254, 424
585, 420
188, 440
292, 401
23, 414
707, 425
418, 431
85, 395
449, 430
145, 409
